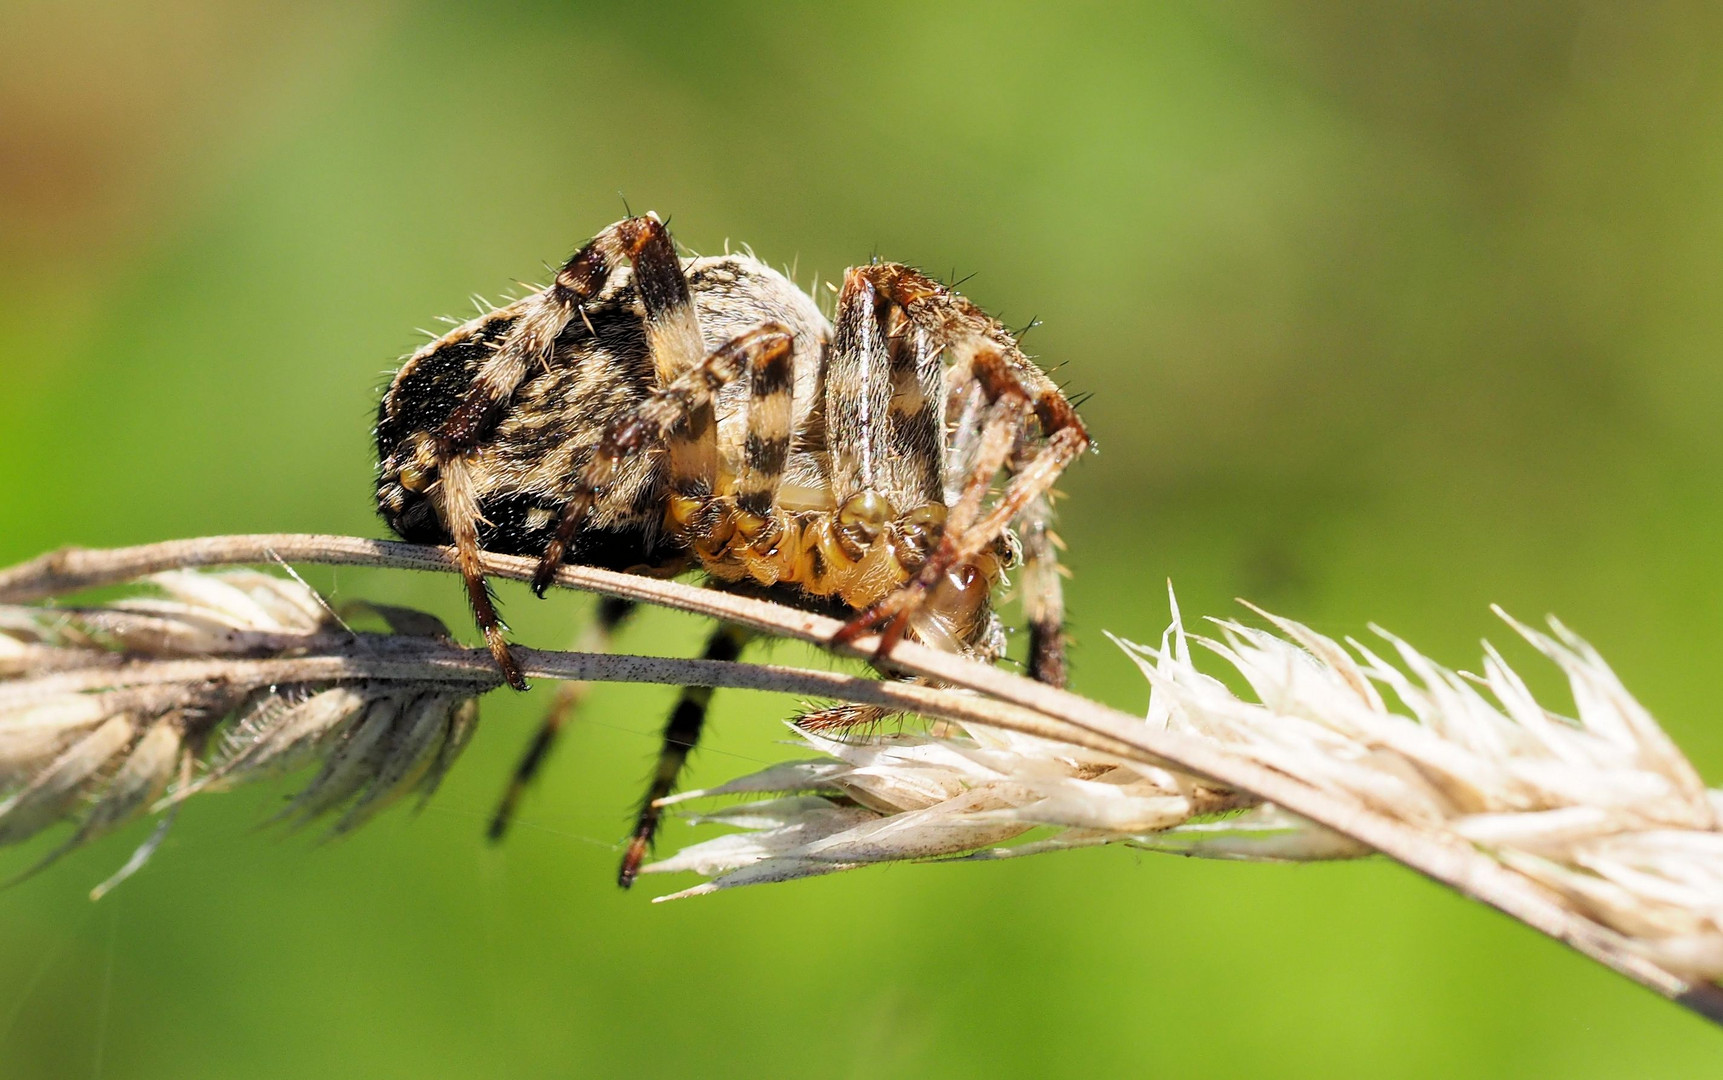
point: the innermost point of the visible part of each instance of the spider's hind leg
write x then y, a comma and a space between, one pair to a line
530, 342
612, 613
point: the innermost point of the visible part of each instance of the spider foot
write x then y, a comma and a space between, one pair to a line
505, 658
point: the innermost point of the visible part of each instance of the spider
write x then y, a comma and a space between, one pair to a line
661, 414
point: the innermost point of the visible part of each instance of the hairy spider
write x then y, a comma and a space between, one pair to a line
658, 414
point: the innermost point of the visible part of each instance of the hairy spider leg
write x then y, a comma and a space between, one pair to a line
1066, 439
681, 733
1027, 498
598, 636
912, 469
858, 389
1043, 589
992, 359
846, 718
765, 449
1004, 417
655, 423
766, 446
530, 342
771, 391
461, 512
884, 416
711, 523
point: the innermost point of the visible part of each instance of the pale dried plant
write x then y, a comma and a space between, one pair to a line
1602, 808
1594, 830
108, 712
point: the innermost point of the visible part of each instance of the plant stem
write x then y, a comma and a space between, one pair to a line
1005, 701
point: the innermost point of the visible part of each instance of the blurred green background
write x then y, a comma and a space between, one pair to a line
1389, 312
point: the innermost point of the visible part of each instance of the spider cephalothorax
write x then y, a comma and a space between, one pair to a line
661, 414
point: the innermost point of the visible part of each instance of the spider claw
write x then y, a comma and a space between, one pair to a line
545, 573
638, 846
633, 857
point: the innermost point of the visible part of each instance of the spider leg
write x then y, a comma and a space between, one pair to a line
986, 354
915, 428
858, 388
1043, 591
461, 512
1003, 419
532, 341
766, 449
884, 426
843, 718
967, 536
1032, 482
612, 613
653, 424
681, 732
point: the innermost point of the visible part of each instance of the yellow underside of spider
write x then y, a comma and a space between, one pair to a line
821, 553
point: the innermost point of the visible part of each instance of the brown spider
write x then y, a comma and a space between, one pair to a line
658, 414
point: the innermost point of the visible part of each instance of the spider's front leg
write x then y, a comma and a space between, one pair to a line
1002, 420
1011, 388
531, 342
1043, 591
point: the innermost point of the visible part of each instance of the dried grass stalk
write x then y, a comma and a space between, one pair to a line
1602, 809
1595, 830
